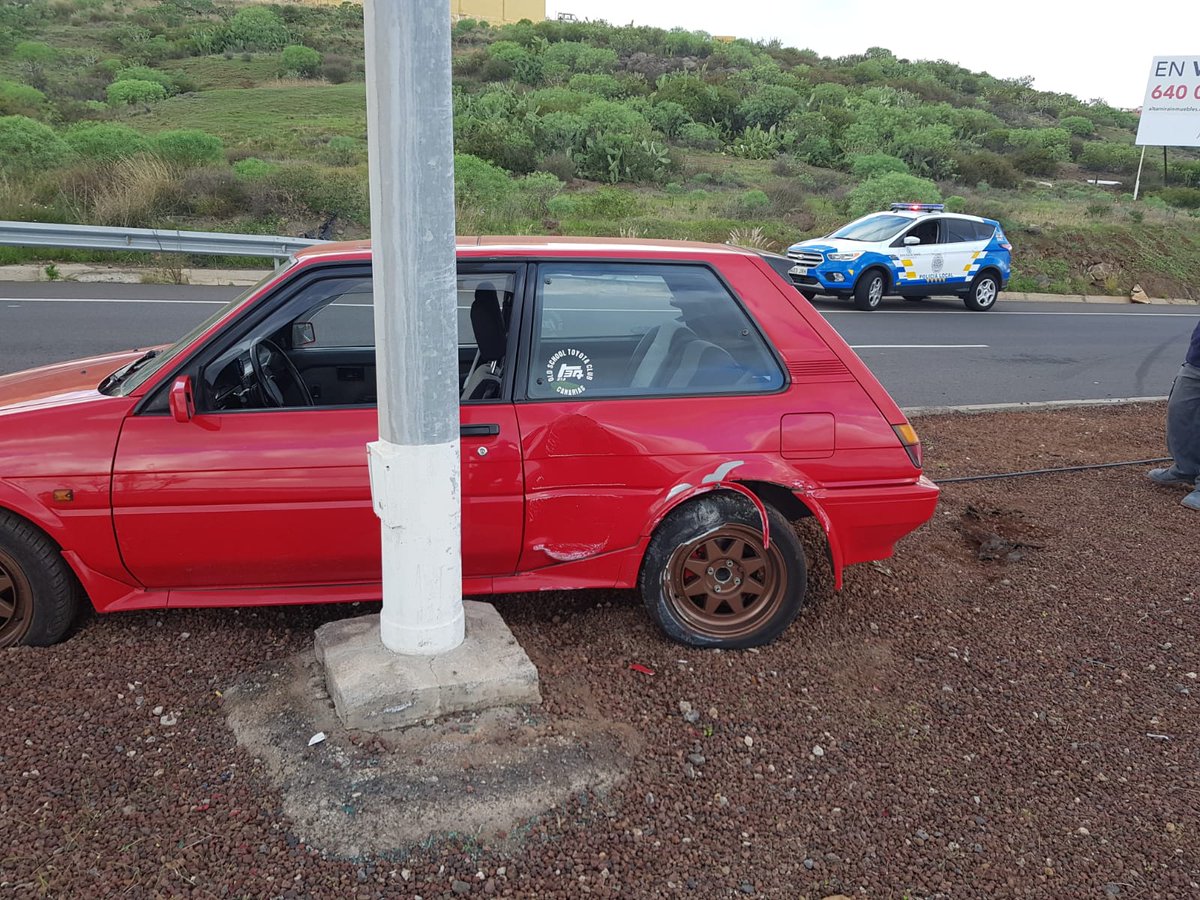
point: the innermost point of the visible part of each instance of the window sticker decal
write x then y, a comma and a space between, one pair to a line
569, 371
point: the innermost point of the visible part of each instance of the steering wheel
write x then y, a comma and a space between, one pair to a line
269, 362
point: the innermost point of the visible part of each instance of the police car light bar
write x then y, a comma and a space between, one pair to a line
920, 207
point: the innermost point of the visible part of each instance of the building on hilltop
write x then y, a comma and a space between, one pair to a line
498, 12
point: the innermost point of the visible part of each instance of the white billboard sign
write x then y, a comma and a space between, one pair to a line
1171, 111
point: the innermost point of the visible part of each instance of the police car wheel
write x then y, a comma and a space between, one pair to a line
984, 291
868, 292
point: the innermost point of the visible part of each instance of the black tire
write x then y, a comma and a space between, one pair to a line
39, 594
985, 290
807, 295
770, 584
868, 291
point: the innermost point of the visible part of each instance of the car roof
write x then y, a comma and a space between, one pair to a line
549, 245
925, 214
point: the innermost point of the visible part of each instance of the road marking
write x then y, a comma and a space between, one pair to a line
918, 346
13, 301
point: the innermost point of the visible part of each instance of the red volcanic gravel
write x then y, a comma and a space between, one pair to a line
1009, 707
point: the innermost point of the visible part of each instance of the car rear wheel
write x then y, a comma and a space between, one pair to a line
39, 595
868, 292
708, 580
983, 293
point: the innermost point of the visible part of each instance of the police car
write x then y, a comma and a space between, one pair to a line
913, 251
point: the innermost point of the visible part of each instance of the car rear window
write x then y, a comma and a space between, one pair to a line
623, 330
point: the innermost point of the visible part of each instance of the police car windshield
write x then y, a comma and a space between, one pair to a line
873, 228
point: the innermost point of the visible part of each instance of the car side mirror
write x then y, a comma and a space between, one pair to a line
303, 334
180, 399
911, 239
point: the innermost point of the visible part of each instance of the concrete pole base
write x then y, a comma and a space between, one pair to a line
374, 689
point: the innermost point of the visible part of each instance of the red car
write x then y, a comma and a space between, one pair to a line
633, 414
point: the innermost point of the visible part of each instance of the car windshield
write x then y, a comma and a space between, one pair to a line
124, 381
873, 228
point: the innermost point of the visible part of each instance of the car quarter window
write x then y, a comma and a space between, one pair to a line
959, 231
624, 330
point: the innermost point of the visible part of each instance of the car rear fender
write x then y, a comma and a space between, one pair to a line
756, 479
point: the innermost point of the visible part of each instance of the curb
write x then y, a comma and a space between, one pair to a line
1025, 297
1032, 406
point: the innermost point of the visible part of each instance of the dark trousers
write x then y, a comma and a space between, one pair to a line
1183, 421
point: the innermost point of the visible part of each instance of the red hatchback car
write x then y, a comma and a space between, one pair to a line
633, 414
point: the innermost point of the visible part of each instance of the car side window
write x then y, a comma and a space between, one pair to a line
317, 348
959, 231
983, 231
627, 330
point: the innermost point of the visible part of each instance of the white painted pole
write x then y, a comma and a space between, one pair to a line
415, 463
1137, 183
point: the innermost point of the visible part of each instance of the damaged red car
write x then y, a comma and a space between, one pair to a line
633, 415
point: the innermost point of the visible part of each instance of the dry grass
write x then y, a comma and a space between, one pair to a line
129, 193
750, 238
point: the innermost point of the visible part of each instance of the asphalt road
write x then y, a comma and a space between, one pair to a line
931, 353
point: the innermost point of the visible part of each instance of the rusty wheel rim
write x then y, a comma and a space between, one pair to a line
725, 584
16, 610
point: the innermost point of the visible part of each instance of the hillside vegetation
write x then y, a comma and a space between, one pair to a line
224, 116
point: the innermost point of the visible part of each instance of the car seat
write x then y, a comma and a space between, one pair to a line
487, 322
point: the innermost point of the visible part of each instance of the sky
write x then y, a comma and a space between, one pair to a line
1068, 47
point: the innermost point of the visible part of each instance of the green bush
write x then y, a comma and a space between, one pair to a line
699, 136
126, 93
501, 140
343, 150
1101, 156
477, 182
562, 207
558, 131
600, 85
768, 106
105, 141
188, 147
985, 167
18, 99
872, 165
252, 168
606, 203
558, 99
1181, 197
145, 73
27, 145
1078, 125
534, 193
895, 187
668, 117
296, 59
256, 28
320, 191
956, 204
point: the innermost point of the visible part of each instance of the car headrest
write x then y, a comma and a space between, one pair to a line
488, 323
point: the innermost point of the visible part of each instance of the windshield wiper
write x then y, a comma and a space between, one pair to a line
124, 372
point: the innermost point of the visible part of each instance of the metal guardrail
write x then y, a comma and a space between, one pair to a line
149, 240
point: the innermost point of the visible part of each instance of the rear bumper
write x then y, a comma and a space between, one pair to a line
864, 523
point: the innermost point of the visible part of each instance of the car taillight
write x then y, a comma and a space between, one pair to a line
1004, 245
910, 442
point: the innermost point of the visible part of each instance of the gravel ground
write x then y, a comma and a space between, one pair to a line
1006, 708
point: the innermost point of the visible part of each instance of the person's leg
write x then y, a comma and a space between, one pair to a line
1183, 422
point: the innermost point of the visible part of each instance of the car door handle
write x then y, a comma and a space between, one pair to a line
479, 430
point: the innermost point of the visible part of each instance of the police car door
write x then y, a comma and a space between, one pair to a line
921, 261
961, 248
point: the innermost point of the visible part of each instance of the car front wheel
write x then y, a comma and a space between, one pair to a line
708, 580
985, 289
868, 292
39, 595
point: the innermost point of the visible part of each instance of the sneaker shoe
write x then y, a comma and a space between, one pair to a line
1170, 475
1192, 500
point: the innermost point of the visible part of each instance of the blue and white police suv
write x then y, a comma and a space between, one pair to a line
914, 251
